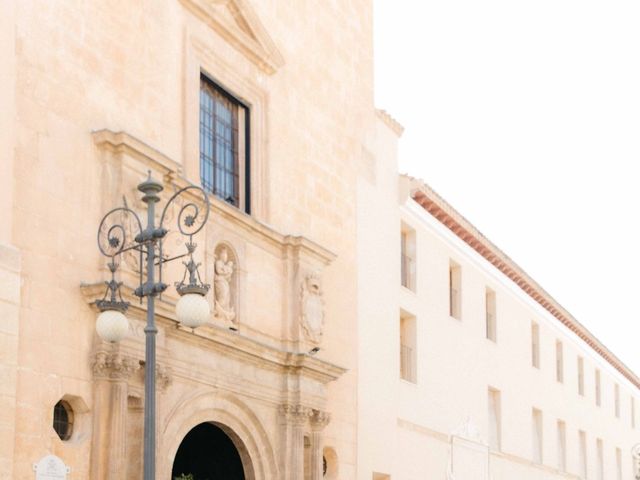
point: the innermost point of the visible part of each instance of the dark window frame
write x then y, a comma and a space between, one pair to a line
63, 420
209, 184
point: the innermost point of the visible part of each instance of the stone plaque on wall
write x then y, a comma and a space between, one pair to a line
51, 468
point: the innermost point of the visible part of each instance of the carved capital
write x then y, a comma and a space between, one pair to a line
295, 414
319, 419
164, 376
113, 365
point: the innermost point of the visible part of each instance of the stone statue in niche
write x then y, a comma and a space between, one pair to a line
222, 282
312, 307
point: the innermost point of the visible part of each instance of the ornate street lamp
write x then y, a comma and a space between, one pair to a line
192, 308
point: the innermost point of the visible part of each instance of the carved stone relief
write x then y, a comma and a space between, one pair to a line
295, 414
224, 285
319, 419
114, 365
312, 303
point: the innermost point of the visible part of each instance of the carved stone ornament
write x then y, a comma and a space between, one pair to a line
312, 315
224, 268
51, 467
164, 377
114, 365
295, 414
319, 419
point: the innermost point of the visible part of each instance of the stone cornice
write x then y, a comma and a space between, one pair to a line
122, 142
241, 28
226, 341
462, 228
390, 122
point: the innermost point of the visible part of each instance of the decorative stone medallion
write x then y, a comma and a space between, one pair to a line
51, 467
312, 307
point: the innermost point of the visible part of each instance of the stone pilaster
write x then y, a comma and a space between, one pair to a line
111, 374
10, 281
319, 420
293, 420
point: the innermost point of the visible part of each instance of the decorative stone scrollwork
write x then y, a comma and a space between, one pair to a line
114, 365
295, 414
312, 313
223, 283
319, 419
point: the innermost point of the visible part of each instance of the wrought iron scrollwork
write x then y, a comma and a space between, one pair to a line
112, 233
189, 221
112, 242
121, 232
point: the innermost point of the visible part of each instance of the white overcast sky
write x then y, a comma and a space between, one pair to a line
525, 116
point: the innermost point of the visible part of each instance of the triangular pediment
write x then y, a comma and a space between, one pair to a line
237, 22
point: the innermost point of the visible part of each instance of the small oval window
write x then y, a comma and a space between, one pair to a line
63, 420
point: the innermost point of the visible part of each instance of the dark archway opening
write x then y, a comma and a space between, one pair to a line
207, 453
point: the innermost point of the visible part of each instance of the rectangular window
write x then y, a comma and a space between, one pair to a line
559, 362
536, 426
598, 389
535, 345
562, 446
618, 464
224, 145
494, 419
490, 314
582, 453
408, 257
616, 394
600, 460
581, 375
455, 293
408, 347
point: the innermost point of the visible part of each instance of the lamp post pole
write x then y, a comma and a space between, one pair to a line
192, 309
150, 189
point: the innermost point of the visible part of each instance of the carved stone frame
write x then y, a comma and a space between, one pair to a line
201, 57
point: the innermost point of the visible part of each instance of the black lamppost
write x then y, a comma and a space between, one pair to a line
192, 309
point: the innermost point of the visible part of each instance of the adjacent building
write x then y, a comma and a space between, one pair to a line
468, 368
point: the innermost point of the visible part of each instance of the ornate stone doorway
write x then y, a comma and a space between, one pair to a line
207, 453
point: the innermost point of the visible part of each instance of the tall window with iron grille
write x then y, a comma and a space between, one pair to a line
224, 145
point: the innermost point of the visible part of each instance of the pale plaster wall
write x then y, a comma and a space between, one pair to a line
456, 365
405, 428
378, 223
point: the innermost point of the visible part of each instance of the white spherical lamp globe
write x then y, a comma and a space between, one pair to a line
112, 326
193, 310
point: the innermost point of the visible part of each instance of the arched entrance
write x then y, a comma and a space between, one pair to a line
208, 453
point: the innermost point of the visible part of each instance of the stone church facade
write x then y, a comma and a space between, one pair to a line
268, 106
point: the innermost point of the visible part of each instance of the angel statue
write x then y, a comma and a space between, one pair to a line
222, 286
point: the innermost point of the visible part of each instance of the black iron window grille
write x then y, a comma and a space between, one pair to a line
224, 165
63, 420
